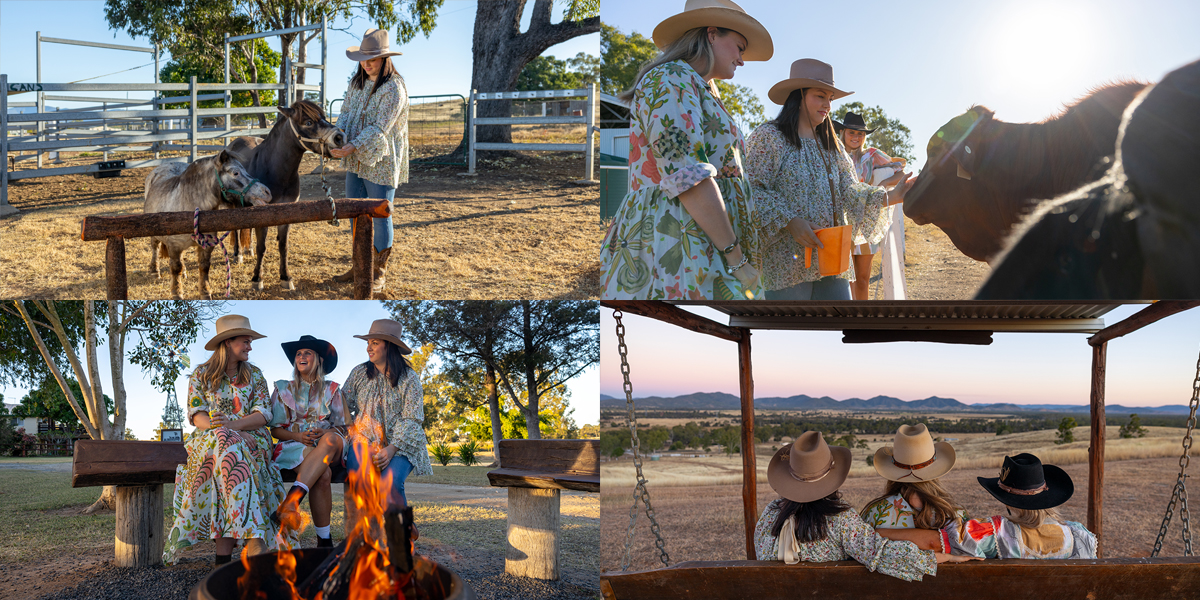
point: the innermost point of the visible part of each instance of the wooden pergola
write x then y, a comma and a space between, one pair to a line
944, 322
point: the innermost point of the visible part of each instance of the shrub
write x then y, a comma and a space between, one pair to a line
442, 453
466, 452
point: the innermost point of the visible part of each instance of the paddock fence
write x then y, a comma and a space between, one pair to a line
437, 126
588, 119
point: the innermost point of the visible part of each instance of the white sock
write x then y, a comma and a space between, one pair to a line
301, 485
322, 532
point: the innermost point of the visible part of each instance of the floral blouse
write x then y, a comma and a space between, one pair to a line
377, 125
680, 135
848, 537
1000, 538
789, 182
232, 401
384, 414
894, 512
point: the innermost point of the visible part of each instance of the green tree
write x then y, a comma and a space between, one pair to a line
48, 402
1133, 428
1066, 435
891, 136
743, 104
621, 56
549, 73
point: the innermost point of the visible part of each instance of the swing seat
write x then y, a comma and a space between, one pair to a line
1100, 579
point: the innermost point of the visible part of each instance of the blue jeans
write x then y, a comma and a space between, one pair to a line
357, 187
830, 287
399, 468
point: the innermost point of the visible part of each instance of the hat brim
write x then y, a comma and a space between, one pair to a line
779, 475
231, 333
326, 350
404, 349
355, 55
779, 92
758, 40
1059, 489
838, 126
943, 460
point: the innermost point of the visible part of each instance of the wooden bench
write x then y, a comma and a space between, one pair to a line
139, 470
535, 473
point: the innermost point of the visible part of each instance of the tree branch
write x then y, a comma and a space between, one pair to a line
58, 376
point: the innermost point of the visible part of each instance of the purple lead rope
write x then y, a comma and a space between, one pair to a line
207, 240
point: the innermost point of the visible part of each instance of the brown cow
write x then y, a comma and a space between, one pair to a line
1135, 233
983, 175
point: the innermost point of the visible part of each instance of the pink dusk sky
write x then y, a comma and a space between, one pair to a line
1152, 367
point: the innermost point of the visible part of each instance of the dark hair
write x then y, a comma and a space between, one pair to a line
386, 70
397, 365
811, 517
788, 122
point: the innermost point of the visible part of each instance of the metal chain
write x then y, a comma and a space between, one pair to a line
640, 491
1180, 492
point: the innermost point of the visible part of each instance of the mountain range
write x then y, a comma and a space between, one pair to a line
723, 401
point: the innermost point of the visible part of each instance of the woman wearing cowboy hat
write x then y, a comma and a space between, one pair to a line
375, 119
384, 396
686, 229
227, 488
1031, 527
308, 420
811, 522
802, 180
913, 497
853, 133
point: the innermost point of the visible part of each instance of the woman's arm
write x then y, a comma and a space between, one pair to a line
925, 539
703, 202
899, 559
765, 149
371, 143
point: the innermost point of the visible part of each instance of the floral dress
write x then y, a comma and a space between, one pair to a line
298, 415
228, 487
377, 125
1000, 538
680, 134
789, 182
847, 537
894, 512
864, 167
384, 414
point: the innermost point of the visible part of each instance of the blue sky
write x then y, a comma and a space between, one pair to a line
440, 64
283, 321
928, 61
1152, 367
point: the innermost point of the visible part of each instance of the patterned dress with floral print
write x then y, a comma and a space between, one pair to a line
680, 134
894, 512
384, 414
377, 125
999, 537
298, 415
789, 182
849, 537
228, 487
864, 168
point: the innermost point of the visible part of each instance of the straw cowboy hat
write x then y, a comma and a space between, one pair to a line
323, 349
716, 13
808, 469
374, 45
231, 326
913, 456
806, 73
853, 121
387, 329
1024, 482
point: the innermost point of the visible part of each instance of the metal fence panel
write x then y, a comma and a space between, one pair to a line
437, 126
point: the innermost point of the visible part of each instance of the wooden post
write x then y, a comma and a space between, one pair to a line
749, 468
533, 524
362, 257
1096, 449
139, 537
114, 269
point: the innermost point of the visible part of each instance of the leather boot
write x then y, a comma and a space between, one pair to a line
379, 277
346, 277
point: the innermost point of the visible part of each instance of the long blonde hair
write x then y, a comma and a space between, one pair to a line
937, 507
317, 386
1033, 518
213, 370
690, 46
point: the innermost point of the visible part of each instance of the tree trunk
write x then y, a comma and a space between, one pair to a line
489, 384
116, 361
107, 500
532, 423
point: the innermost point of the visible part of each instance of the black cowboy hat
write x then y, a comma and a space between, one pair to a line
323, 349
853, 121
1024, 482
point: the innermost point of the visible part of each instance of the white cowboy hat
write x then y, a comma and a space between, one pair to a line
230, 326
914, 456
716, 13
374, 45
806, 73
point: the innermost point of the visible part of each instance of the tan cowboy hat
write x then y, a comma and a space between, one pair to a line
374, 45
806, 73
389, 330
914, 456
231, 326
716, 13
808, 469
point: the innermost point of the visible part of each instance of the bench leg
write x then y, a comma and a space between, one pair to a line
533, 526
139, 525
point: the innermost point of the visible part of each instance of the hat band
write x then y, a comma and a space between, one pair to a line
1020, 492
816, 478
913, 467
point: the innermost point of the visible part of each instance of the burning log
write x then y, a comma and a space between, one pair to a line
316, 580
397, 524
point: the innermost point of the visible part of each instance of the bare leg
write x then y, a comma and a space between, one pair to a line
860, 288
316, 464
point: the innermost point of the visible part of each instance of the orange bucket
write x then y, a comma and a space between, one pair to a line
834, 258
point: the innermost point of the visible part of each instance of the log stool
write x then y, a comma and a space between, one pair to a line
535, 472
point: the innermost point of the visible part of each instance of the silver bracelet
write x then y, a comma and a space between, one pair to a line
745, 259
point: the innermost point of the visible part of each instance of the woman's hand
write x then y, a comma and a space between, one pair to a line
310, 437
896, 194
342, 152
748, 275
803, 233
952, 558
382, 457
217, 419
